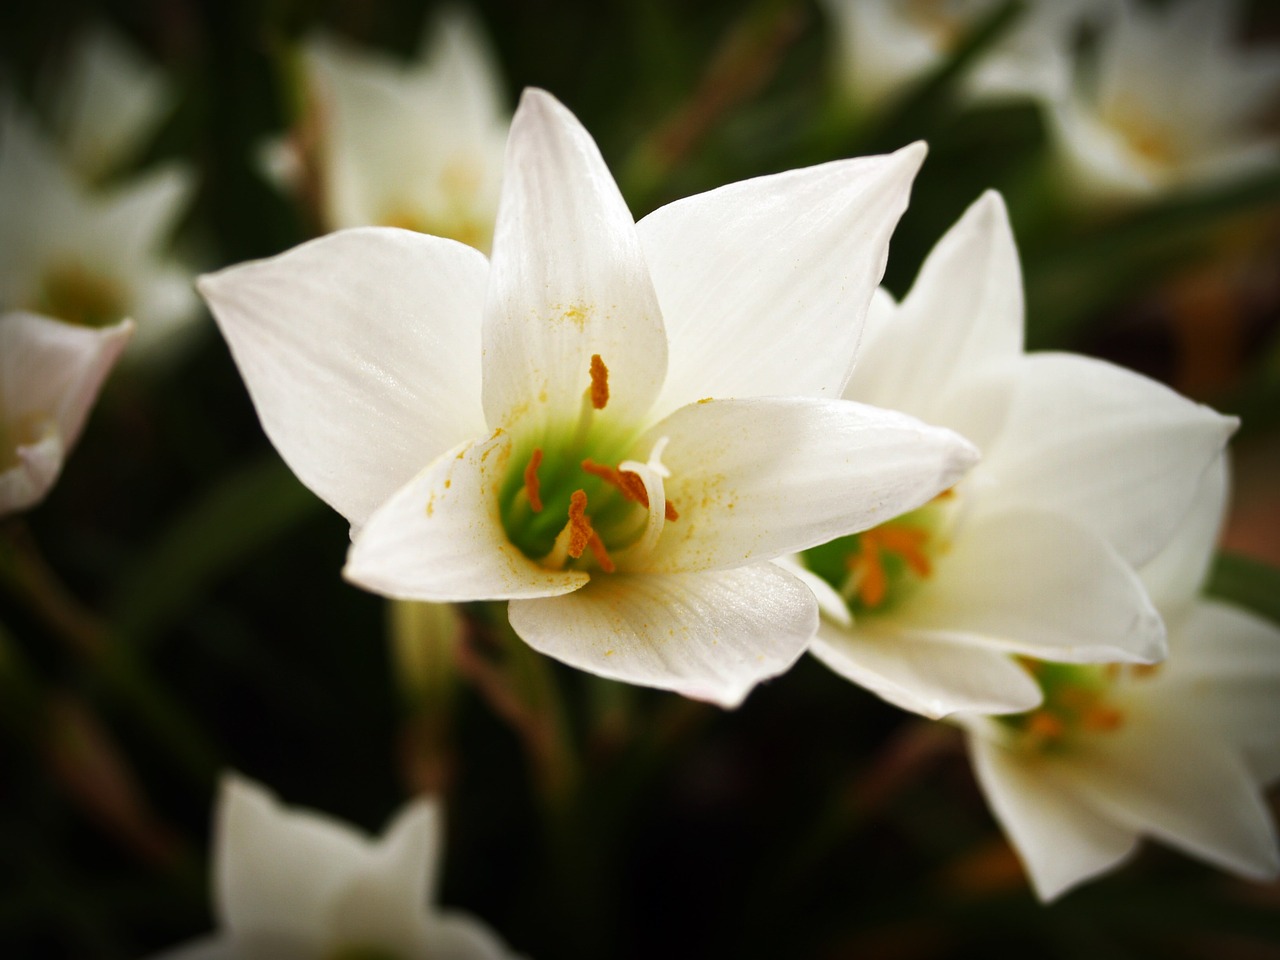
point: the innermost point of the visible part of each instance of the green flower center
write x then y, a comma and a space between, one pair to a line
1078, 701
573, 499
880, 568
78, 295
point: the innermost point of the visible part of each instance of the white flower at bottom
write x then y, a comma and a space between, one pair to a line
298, 885
50, 374
1178, 752
541, 428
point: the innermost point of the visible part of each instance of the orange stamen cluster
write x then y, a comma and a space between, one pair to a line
599, 382
583, 535
628, 484
868, 563
532, 486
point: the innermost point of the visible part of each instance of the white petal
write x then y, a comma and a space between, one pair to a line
964, 311
1062, 842
1175, 575
1169, 779
1227, 662
926, 675
568, 280
1113, 449
54, 369
830, 603
35, 468
111, 99
440, 537
135, 219
711, 636
361, 352
764, 284
1039, 584
453, 935
758, 478
276, 870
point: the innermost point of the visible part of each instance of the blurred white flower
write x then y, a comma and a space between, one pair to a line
882, 47
1086, 471
296, 885
560, 402
387, 143
1178, 752
89, 257
106, 100
1172, 101
50, 373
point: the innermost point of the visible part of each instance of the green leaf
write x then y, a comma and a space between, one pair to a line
1248, 583
241, 514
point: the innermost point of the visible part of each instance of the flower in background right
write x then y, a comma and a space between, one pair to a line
1180, 752
1170, 101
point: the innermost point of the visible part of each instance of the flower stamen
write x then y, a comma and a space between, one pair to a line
628, 483
532, 486
599, 382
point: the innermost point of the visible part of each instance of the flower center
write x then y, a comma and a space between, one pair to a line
1077, 703
575, 501
1152, 143
77, 295
879, 568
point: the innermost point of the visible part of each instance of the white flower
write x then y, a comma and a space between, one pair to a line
297, 885
416, 145
1172, 102
448, 406
50, 373
1179, 752
885, 46
1087, 469
106, 101
88, 257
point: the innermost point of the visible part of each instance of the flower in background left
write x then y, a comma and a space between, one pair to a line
298, 885
50, 374
72, 246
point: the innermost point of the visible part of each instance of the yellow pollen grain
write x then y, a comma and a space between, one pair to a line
599, 382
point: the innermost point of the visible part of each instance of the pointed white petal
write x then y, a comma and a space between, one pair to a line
1037, 583
964, 311
361, 351
764, 284
830, 603
50, 369
758, 478
711, 635
568, 280
453, 935
1062, 842
276, 870
1175, 575
1167, 778
440, 537
926, 675
1113, 449
135, 219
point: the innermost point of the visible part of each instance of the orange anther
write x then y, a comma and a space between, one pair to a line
873, 584
1045, 725
1102, 719
580, 530
600, 553
599, 382
670, 511
907, 542
531, 485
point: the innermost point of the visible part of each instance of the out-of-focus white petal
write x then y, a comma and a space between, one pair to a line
276, 870
830, 603
1226, 661
1116, 451
30, 470
964, 312
1171, 780
1061, 840
110, 100
1040, 584
568, 281
440, 537
758, 478
452, 935
932, 677
361, 353
711, 635
800, 251
135, 218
